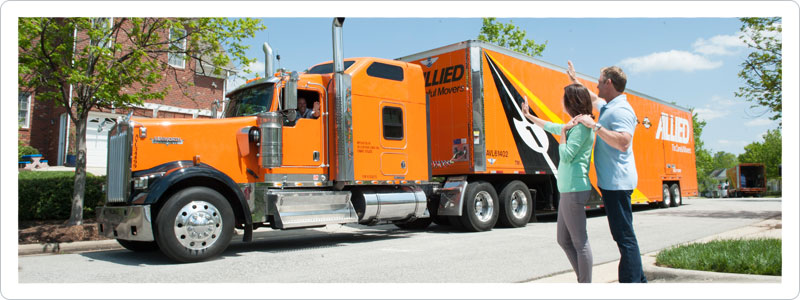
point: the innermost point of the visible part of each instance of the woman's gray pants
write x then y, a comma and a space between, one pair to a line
571, 233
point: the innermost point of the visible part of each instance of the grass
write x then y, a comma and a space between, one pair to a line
756, 256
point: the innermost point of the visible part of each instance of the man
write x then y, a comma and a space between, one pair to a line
615, 165
304, 112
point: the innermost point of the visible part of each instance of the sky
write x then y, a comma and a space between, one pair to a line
693, 62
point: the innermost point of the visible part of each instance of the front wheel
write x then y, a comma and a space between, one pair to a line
195, 224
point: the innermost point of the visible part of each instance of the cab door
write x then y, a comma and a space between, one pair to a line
303, 140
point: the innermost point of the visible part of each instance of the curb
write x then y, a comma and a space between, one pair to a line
56, 248
663, 274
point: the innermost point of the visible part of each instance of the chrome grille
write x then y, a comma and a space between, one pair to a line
118, 169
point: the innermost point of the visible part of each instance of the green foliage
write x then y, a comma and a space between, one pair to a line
759, 256
703, 159
767, 152
509, 36
761, 70
48, 195
23, 149
118, 62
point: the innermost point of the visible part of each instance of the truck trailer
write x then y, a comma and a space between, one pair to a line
747, 179
435, 136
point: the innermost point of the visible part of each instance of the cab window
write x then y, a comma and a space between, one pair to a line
392, 123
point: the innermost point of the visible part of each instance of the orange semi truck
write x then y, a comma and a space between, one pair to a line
436, 136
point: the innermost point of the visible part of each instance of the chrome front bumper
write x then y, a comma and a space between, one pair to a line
125, 222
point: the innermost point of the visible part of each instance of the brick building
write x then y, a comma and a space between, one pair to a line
47, 127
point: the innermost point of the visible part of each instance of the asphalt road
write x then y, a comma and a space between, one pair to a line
386, 254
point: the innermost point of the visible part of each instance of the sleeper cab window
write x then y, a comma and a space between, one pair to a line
392, 123
381, 70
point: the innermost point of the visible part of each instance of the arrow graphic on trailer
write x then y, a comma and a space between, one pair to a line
534, 137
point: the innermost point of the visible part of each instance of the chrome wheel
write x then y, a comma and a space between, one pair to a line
665, 202
197, 225
519, 204
484, 206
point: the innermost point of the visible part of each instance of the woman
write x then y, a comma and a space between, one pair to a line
575, 151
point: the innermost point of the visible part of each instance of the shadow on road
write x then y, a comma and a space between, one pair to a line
275, 243
741, 214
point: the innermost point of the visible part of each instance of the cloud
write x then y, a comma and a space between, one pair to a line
715, 108
256, 67
759, 122
735, 142
673, 60
707, 114
719, 45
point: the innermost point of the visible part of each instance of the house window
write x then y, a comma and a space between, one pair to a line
24, 109
106, 24
177, 46
392, 123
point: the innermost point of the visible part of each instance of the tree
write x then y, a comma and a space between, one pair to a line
116, 62
761, 70
767, 152
703, 159
509, 36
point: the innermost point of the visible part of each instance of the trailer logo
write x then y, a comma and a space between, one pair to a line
444, 75
673, 129
428, 62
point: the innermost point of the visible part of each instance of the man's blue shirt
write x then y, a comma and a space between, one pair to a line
616, 170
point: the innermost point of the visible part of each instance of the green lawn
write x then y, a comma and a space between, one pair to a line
756, 256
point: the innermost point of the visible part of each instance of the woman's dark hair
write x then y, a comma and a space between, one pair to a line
577, 100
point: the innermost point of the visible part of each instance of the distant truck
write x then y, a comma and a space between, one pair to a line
748, 179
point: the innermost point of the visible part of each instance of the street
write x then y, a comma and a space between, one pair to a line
387, 254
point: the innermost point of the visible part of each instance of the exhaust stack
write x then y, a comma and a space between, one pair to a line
269, 65
345, 172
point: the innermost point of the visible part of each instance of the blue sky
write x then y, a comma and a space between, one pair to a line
691, 61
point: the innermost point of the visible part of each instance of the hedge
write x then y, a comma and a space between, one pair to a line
48, 195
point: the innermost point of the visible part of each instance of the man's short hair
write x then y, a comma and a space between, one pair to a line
618, 78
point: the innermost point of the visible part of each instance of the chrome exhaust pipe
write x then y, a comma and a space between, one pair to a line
343, 112
269, 65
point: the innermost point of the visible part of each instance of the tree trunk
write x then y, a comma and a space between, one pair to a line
76, 216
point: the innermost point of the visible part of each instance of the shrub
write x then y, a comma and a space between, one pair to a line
756, 256
48, 195
23, 149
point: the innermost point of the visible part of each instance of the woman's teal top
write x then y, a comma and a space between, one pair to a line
575, 154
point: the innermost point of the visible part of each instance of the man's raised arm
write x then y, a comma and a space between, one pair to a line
574, 79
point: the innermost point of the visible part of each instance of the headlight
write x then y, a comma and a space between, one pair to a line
140, 183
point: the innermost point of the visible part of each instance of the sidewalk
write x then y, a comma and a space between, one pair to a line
607, 272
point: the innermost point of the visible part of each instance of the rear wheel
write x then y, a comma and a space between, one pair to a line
675, 195
516, 205
481, 207
665, 197
138, 246
195, 224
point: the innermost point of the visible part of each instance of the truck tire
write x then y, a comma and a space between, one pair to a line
675, 195
138, 246
665, 197
516, 205
481, 207
195, 224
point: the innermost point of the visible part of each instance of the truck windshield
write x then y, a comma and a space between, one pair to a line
250, 101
